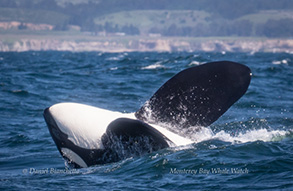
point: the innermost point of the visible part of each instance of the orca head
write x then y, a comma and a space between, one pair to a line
64, 145
75, 155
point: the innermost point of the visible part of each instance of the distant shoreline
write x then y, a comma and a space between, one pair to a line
78, 43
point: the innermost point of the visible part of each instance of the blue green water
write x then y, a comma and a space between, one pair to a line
249, 148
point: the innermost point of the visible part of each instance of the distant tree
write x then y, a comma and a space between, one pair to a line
22, 26
200, 30
155, 30
186, 31
47, 5
182, 21
130, 30
242, 28
172, 30
220, 28
232, 9
61, 27
8, 3
28, 4
277, 28
87, 25
109, 28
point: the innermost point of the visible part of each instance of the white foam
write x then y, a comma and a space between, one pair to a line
248, 136
114, 68
278, 62
253, 135
195, 63
117, 58
153, 66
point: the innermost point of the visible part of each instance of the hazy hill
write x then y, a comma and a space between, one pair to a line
200, 18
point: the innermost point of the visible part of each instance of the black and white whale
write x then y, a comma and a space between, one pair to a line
197, 96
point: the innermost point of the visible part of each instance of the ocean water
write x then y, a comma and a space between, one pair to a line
249, 148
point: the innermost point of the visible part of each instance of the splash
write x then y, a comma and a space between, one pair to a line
248, 136
197, 134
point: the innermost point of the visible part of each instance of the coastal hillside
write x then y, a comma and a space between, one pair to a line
138, 25
202, 18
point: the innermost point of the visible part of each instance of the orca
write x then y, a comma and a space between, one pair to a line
197, 96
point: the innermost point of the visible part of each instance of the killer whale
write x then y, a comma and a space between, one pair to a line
87, 135
197, 96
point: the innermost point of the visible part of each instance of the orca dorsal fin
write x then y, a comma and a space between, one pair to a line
197, 96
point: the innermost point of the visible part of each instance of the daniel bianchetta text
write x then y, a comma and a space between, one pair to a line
210, 171
50, 171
